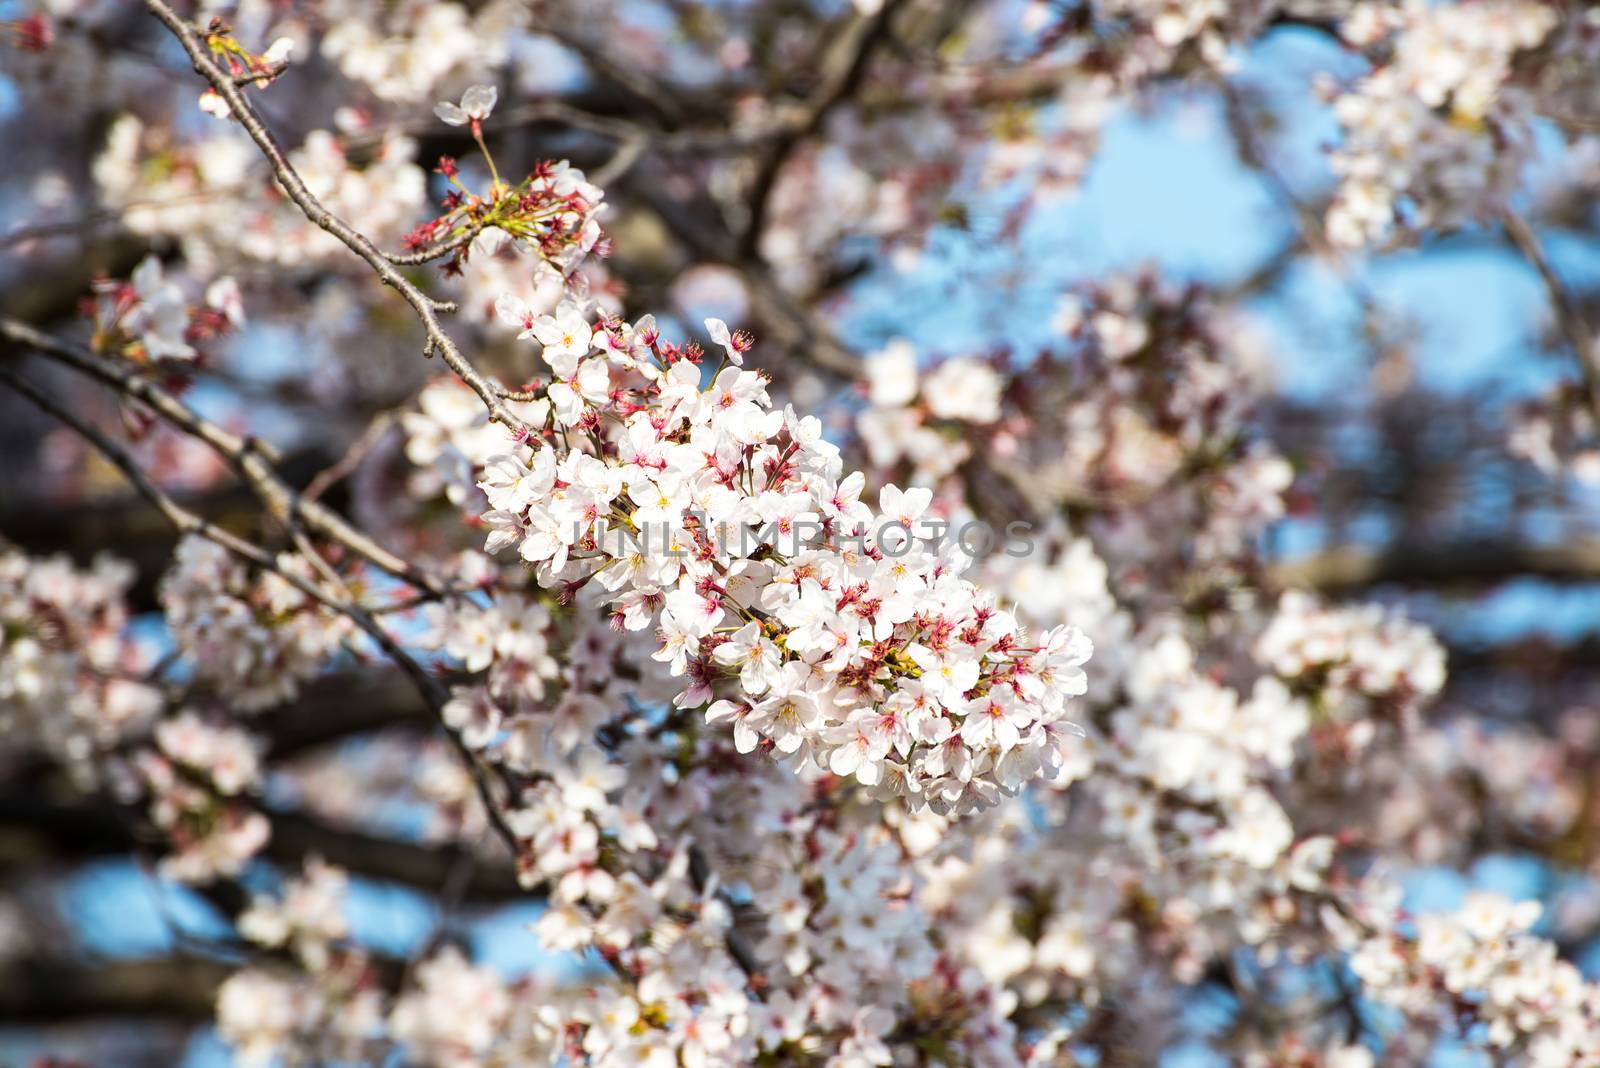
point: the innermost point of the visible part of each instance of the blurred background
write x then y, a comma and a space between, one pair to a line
969, 188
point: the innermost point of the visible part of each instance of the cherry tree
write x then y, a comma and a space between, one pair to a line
447, 450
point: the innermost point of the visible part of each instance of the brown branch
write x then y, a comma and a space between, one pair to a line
44, 991
34, 824
346, 464
1253, 154
738, 948
655, 96
338, 706
140, 534
184, 520
48, 291
433, 252
795, 327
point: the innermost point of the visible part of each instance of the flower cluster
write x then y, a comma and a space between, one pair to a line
1184, 736
919, 420
512, 635
148, 319
1450, 785
253, 637
540, 700
449, 437
404, 51
169, 189
1212, 26
456, 1015
1140, 417
308, 918
845, 956
553, 212
730, 526
1356, 651
264, 1014
1435, 136
72, 681
796, 779
329, 1010
1157, 375
1558, 434
196, 777
1484, 966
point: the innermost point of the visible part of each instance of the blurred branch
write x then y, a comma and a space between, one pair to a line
347, 464
794, 326
44, 991
1348, 569
654, 95
430, 689
1253, 153
48, 292
844, 64
1326, 25
335, 707
112, 217
35, 826
249, 457
1562, 302
132, 527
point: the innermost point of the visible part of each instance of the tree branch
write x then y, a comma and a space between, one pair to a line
45, 991
33, 823
251, 458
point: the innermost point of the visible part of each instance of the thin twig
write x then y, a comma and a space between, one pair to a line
358, 450
433, 252
622, 160
184, 520
652, 93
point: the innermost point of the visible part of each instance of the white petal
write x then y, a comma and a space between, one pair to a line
479, 100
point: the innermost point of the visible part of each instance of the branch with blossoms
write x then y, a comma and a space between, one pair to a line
426, 308
1028, 673
240, 451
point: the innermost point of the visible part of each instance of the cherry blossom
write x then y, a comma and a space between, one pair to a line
477, 103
